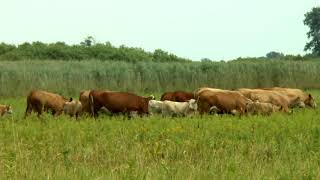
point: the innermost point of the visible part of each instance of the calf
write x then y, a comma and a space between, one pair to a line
261, 108
72, 108
155, 107
5, 109
179, 108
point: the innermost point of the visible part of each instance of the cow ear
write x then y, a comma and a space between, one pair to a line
70, 99
310, 96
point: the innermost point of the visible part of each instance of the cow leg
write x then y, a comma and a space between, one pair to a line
127, 115
77, 115
38, 108
28, 110
57, 113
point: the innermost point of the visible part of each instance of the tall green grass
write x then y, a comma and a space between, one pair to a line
279, 146
18, 78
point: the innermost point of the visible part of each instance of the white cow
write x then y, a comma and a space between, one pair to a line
155, 107
179, 108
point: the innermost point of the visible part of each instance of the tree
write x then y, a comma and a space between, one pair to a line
88, 41
274, 55
312, 19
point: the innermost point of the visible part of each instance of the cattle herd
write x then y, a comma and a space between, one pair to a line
204, 100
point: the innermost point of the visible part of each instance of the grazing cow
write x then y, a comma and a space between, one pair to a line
118, 102
5, 109
266, 96
200, 91
224, 102
177, 96
84, 99
37, 100
72, 108
179, 108
294, 95
155, 107
261, 108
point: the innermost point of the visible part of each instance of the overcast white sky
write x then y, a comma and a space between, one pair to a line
215, 29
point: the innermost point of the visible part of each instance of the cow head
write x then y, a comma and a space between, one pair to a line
214, 110
193, 104
147, 99
152, 97
298, 103
250, 106
310, 101
8, 109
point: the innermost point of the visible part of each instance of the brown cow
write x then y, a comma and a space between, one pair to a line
84, 99
5, 109
226, 102
177, 96
169, 96
37, 100
118, 102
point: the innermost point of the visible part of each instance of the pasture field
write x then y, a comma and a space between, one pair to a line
279, 146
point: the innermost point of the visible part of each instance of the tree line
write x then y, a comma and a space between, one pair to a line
86, 50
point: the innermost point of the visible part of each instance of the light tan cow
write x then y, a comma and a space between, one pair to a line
84, 99
39, 100
72, 108
5, 109
199, 91
295, 95
261, 108
266, 96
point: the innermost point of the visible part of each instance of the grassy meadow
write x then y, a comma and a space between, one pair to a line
279, 146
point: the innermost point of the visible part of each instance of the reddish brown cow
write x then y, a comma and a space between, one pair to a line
38, 100
225, 102
118, 102
178, 96
167, 96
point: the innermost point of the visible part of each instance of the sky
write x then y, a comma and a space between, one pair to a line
193, 29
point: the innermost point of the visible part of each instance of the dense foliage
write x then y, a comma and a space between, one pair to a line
312, 20
85, 50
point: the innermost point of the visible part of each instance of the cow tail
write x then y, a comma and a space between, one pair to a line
195, 94
91, 103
